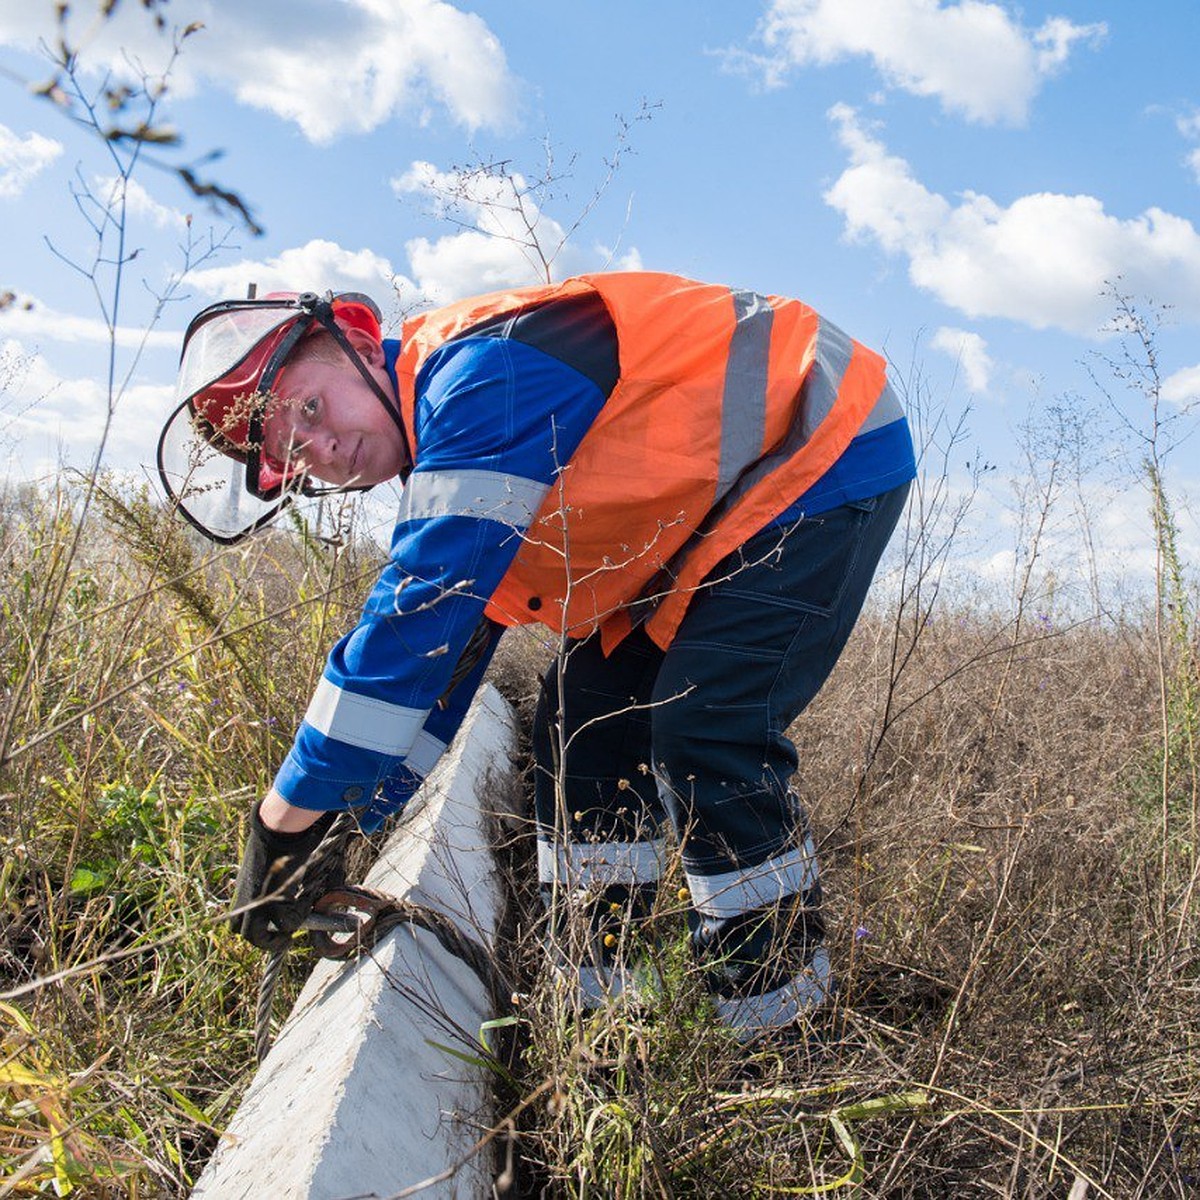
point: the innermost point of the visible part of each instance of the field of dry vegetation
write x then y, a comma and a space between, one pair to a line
1005, 795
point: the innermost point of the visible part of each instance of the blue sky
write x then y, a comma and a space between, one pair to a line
953, 183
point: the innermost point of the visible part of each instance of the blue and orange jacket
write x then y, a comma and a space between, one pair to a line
584, 454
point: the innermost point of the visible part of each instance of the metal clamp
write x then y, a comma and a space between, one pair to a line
343, 921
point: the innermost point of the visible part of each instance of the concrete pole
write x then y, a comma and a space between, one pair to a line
354, 1100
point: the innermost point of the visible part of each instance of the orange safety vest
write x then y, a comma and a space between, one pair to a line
728, 407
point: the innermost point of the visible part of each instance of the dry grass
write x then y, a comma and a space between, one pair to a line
142, 712
1007, 936
1019, 980
1017, 954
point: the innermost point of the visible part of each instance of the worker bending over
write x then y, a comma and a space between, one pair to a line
692, 484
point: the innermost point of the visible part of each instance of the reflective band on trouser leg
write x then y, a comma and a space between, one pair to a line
584, 866
736, 892
767, 964
595, 984
594, 892
759, 934
770, 1010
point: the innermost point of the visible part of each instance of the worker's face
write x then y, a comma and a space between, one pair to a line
328, 422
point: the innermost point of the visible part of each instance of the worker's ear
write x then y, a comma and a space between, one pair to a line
368, 348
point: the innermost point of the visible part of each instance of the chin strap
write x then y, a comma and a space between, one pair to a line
322, 310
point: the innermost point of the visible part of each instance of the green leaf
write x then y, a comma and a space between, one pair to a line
85, 881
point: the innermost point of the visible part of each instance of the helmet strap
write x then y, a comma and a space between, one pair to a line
271, 370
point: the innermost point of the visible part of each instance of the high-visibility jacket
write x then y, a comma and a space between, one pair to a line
729, 405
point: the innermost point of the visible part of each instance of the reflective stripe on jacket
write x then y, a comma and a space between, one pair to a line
729, 405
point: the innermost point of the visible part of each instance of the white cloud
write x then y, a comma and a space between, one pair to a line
1188, 125
973, 57
631, 260
330, 68
1101, 526
59, 419
1044, 260
997, 567
969, 352
1057, 36
30, 319
490, 250
317, 266
1182, 387
463, 264
496, 249
138, 202
481, 258
505, 238
22, 159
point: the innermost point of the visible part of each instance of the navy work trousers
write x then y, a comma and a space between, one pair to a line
696, 736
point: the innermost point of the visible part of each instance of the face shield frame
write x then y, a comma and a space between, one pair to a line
262, 480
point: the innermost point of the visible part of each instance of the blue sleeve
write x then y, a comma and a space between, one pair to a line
495, 420
431, 743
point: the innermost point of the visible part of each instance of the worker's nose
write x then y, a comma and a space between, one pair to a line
322, 449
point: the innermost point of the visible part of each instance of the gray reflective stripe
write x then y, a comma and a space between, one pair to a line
811, 987
834, 349
887, 409
424, 753
736, 892
597, 985
582, 864
491, 495
744, 401
364, 721
594, 985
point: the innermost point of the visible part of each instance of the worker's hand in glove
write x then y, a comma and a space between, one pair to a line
274, 862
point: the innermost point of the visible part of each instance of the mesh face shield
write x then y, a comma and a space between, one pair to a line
210, 453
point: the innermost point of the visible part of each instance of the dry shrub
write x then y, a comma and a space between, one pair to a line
994, 875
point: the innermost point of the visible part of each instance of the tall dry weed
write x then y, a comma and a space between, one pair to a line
163, 689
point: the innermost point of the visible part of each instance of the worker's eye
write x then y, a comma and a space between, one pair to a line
310, 408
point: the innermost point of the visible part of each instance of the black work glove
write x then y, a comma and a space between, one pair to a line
275, 862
